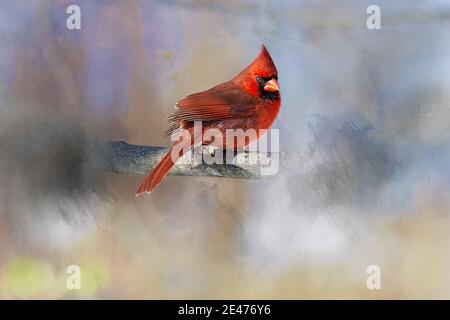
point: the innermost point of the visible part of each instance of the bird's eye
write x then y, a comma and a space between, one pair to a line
258, 78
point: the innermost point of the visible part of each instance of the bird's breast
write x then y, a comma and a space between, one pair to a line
267, 112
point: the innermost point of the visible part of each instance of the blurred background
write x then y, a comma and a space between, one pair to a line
367, 111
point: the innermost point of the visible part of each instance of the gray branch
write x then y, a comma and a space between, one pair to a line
121, 157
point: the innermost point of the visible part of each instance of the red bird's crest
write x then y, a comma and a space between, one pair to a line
262, 66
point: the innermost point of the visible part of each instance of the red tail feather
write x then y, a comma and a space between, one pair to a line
161, 170
158, 173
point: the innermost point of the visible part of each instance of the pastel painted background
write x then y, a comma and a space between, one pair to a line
367, 110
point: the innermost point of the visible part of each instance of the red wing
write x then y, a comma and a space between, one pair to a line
224, 101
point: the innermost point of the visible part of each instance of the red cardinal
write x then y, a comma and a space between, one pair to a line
250, 101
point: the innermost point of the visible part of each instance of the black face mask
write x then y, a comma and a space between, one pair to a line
266, 94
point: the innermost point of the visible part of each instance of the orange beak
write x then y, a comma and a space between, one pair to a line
271, 86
